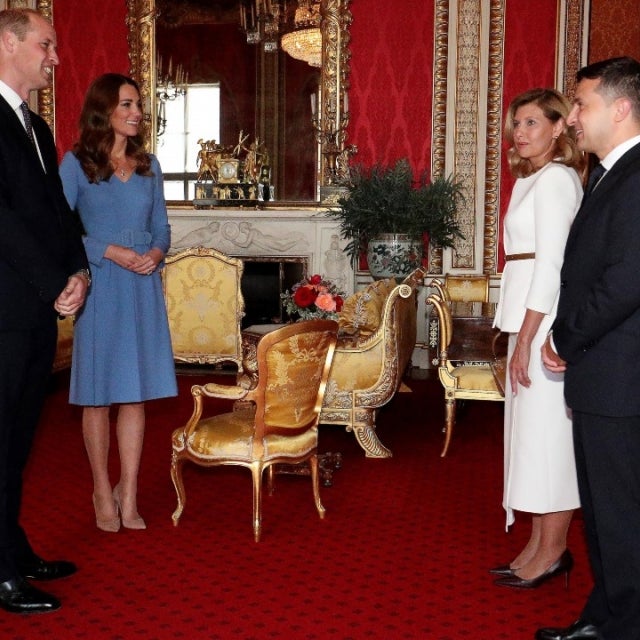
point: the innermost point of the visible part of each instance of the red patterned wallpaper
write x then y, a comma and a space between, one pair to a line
391, 81
91, 40
615, 29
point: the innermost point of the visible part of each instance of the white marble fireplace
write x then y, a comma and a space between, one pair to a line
270, 233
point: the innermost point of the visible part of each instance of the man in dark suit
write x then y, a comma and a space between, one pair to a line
43, 273
596, 336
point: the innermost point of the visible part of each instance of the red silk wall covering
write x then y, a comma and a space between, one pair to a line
92, 40
391, 81
614, 29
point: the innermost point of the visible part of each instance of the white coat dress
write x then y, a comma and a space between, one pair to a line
539, 465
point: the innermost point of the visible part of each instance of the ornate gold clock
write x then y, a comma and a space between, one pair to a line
228, 170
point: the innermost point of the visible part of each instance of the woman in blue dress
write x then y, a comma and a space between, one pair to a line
122, 348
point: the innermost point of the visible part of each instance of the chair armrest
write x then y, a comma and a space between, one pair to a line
227, 392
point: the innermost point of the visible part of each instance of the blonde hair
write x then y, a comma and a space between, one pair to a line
18, 21
553, 106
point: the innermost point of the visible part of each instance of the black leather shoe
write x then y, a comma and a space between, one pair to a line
579, 630
39, 569
502, 570
18, 596
563, 565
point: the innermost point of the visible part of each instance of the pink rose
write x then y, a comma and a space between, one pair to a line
325, 302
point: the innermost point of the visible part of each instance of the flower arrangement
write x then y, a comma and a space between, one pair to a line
313, 298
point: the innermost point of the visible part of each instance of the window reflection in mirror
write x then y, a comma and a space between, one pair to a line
265, 95
185, 120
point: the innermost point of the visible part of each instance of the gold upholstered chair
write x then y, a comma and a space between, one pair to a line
282, 427
462, 288
204, 306
461, 380
375, 344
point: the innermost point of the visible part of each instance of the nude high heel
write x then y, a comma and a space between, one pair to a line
134, 523
111, 525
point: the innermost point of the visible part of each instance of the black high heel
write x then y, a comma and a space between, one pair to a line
564, 564
502, 570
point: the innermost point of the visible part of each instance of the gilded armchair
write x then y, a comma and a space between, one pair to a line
461, 380
282, 427
462, 288
375, 345
204, 306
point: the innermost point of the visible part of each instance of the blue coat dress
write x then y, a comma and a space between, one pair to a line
121, 347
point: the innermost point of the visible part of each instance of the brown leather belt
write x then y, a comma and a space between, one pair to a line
519, 256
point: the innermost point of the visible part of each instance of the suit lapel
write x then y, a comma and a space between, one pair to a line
15, 127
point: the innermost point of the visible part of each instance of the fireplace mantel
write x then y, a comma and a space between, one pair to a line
275, 232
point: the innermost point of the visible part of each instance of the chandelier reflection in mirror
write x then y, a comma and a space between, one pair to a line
264, 20
169, 87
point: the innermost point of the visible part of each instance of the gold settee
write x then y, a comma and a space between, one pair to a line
376, 340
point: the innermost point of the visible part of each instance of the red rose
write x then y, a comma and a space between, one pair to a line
305, 296
315, 279
339, 302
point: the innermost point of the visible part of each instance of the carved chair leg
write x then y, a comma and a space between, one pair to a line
176, 476
368, 438
450, 418
313, 464
256, 473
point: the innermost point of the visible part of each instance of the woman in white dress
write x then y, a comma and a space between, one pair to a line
539, 466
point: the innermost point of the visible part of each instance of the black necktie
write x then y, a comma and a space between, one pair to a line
24, 107
594, 178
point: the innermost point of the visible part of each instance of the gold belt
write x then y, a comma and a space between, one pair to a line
520, 256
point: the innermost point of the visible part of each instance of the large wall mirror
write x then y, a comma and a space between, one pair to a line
253, 90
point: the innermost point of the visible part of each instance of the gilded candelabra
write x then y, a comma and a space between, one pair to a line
331, 137
169, 87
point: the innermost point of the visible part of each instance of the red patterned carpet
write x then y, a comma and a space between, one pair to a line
402, 554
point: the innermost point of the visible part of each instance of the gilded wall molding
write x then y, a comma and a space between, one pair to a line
140, 20
439, 111
572, 42
493, 137
46, 97
466, 127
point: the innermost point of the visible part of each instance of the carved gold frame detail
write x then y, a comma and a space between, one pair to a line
334, 77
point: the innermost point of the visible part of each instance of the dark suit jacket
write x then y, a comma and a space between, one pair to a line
40, 245
597, 329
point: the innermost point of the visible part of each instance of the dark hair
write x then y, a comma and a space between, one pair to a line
553, 106
96, 133
18, 21
619, 78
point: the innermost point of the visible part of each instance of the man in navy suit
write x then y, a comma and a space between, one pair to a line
596, 336
43, 273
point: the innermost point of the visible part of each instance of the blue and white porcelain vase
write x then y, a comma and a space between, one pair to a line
393, 255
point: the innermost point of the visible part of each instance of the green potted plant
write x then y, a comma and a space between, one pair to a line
387, 213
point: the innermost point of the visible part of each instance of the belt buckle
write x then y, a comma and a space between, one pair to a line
128, 238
